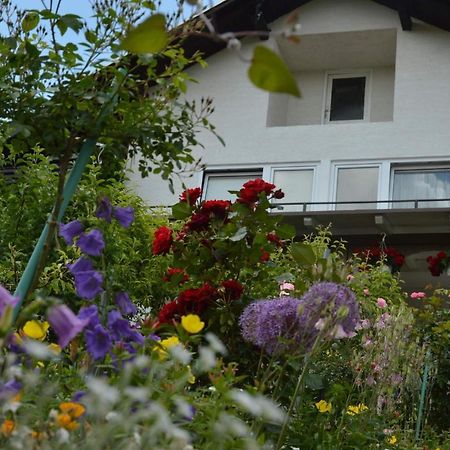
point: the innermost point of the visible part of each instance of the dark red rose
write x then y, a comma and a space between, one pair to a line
279, 194
265, 256
175, 273
198, 222
251, 189
191, 195
233, 290
162, 241
219, 208
441, 255
169, 311
197, 300
272, 237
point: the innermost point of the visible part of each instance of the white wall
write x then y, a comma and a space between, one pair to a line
420, 125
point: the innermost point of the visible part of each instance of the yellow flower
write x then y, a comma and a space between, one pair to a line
191, 379
323, 406
35, 329
7, 427
192, 323
55, 348
65, 421
392, 440
74, 409
165, 344
356, 409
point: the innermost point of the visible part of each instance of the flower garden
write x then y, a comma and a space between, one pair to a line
212, 327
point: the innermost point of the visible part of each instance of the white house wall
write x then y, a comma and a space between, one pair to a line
419, 126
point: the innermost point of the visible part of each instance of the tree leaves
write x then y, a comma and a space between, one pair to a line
30, 21
270, 73
148, 37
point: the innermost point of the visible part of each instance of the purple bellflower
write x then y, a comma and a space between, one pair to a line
104, 210
80, 265
65, 323
121, 330
126, 306
98, 341
124, 216
70, 231
6, 299
91, 243
89, 314
88, 284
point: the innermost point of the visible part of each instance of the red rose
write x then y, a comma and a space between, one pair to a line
265, 256
191, 195
272, 237
198, 222
251, 190
179, 274
233, 289
197, 300
162, 241
168, 312
279, 194
219, 208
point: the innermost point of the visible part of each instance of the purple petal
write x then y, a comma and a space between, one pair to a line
121, 330
80, 265
126, 306
6, 299
124, 216
70, 231
98, 342
91, 243
65, 323
104, 210
88, 284
89, 313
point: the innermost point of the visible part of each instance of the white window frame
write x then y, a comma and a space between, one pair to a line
329, 77
359, 165
309, 166
411, 167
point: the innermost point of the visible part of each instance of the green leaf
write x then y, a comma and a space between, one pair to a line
239, 235
285, 231
90, 36
73, 21
270, 73
148, 37
30, 21
303, 254
181, 211
62, 27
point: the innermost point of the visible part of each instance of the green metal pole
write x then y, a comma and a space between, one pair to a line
69, 188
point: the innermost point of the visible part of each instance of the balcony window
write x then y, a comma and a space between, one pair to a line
426, 185
216, 185
297, 185
357, 184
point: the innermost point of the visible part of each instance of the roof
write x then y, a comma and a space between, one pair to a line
250, 15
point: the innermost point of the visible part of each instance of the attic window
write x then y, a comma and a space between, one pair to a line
347, 98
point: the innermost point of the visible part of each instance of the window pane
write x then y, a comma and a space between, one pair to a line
218, 185
357, 184
296, 185
421, 185
347, 98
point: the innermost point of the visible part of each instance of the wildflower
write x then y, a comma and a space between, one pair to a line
89, 314
121, 329
6, 299
124, 216
392, 440
233, 290
381, 302
80, 265
88, 284
64, 420
323, 406
104, 210
7, 427
190, 196
74, 409
415, 295
192, 323
165, 345
124, 303
162, 241
70, 231
352, 410
65, 323
35, 329
98, 341
91, 243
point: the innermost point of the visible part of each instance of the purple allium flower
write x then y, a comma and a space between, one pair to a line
91, 243
121, 330
266, 323
124, 216
104, 210
6, 299
126, 306
80, 265
70, 231
98, 341
89, 314
334, 304
88, 284
65, 323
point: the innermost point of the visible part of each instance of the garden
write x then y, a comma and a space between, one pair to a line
212, 326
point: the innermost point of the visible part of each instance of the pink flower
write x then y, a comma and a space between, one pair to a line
366, 291
287, 287
418, 295
381, 302
350, 277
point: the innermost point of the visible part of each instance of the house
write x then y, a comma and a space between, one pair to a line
366, 147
